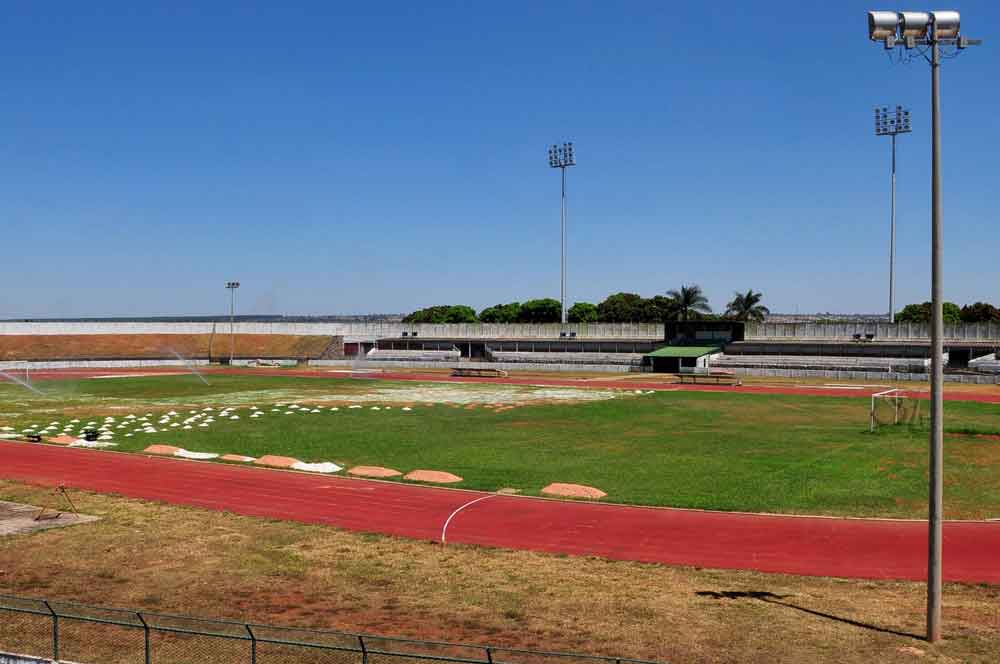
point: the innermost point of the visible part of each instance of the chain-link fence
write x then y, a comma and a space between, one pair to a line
96, 635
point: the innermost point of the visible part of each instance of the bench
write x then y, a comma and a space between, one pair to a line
481, 372
717, 377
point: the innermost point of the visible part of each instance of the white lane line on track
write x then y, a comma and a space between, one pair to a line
444, 530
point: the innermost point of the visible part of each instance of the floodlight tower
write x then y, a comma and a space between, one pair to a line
930, 31
232, 286
562, 157
887, 124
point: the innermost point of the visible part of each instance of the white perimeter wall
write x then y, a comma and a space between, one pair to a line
350, 331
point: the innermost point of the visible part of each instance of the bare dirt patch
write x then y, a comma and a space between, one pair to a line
373, 471
573, 490
435, 476
61, 440
275, 461
166, 450
236, 457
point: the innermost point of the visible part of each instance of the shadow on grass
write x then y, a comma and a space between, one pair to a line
772, 598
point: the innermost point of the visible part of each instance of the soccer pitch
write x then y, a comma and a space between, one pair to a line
726, 451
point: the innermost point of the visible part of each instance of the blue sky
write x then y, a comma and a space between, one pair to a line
380, 157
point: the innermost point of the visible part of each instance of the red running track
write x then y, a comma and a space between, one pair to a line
877, 549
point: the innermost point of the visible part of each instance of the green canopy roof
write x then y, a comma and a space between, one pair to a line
683, 351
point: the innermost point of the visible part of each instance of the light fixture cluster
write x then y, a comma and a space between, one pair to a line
913, 28
890, 123
561, 156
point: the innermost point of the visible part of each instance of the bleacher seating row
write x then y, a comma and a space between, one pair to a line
986, 364
619, 359
820, 362
413, 355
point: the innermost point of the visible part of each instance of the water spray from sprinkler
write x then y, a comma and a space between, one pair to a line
189, 365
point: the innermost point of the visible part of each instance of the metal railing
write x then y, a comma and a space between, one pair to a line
68, 631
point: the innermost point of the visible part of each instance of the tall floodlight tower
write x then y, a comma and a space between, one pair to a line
232, 286
892, 124
927, 33
562, 157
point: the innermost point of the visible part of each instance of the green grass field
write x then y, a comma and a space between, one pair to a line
725, 451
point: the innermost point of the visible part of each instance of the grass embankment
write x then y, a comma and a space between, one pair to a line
41, 347
726, 451
216, 565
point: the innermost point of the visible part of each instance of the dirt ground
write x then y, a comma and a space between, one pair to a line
181, 560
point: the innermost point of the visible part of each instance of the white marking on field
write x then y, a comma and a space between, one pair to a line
444, 530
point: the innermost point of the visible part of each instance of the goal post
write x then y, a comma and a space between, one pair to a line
893, 407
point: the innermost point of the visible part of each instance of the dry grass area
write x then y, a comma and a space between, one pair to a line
150, 346
212, 564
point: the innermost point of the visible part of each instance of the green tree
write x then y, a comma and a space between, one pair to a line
659, 309
747, 307
545, 310
690, 301
443, 313
582, 312
461, 313
621, 308
921, 313
501, 313
980, 312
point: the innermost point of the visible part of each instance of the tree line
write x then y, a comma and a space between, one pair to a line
686, 303
977, 312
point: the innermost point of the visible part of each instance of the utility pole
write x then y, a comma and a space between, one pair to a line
562, 157
889, 125
232, 286
913, 30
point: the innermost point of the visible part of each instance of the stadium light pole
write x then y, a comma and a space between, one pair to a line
232, 286
930, 31
562, 157
891, 125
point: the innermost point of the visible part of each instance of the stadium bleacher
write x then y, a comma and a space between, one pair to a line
386, 354
819, 362
569, 357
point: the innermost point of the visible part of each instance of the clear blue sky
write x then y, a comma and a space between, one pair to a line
380, 157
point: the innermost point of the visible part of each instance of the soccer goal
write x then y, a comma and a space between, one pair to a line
895, 406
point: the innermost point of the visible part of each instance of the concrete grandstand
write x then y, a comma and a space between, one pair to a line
862, 350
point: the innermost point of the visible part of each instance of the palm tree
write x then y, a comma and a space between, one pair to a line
747, 307
689, 302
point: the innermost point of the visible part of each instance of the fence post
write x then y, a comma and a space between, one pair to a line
364, 650
145, 631
253, 645
55, 630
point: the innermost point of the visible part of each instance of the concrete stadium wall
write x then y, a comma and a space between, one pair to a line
882, 331
882, 376
98, 364
352, 332
504, 366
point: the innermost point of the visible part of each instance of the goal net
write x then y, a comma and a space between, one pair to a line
896, 406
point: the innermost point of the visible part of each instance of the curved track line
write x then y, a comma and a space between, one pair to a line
444, 529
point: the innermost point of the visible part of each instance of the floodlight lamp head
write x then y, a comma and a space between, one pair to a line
946, 24
882, 26
914, 24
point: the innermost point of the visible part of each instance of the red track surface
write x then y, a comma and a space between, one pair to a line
795, 545
804, 390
